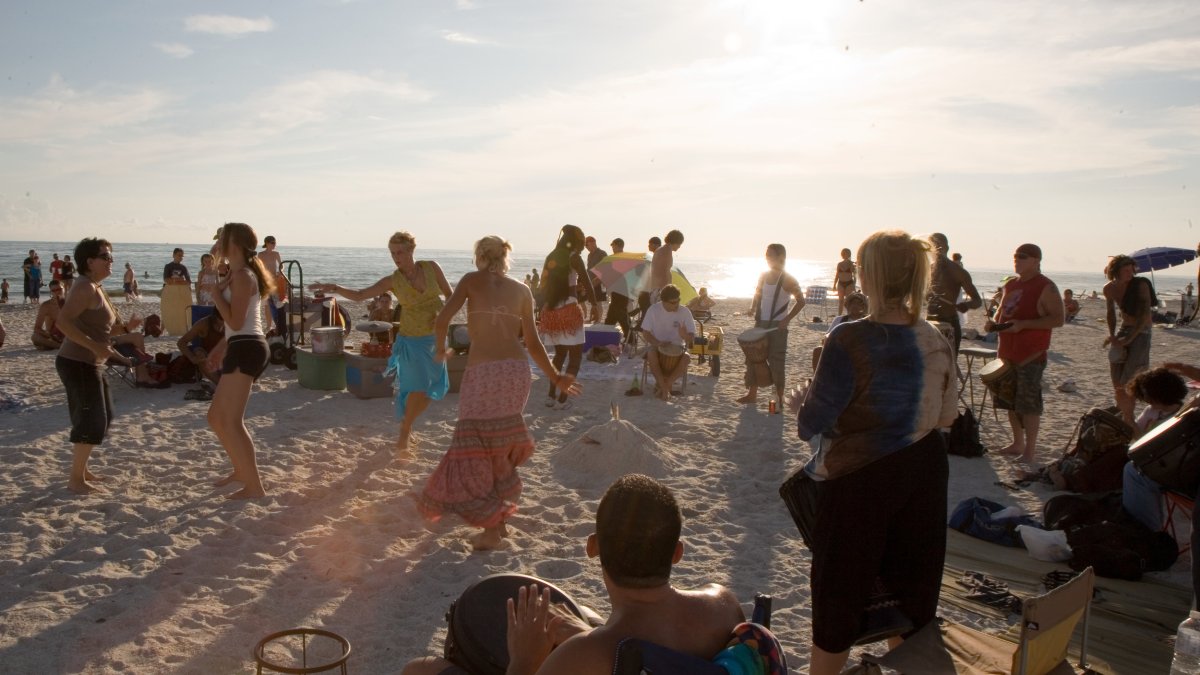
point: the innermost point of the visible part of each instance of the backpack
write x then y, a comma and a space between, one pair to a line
963, 438
1095, 462
152, 326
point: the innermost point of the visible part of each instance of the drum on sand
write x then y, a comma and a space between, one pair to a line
1000, 378
669, 356
754, 345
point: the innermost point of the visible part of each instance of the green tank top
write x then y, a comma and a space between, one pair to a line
419, 308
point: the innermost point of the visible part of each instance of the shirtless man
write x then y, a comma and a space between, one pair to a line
662, 262
946, 279
1128, 297
273, 263
637, 540
45, 335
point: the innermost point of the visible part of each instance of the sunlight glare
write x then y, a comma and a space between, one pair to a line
733, 43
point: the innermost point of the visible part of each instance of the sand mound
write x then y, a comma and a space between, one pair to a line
608, 451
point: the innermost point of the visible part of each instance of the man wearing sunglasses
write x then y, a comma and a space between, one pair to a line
46, 335
669, 331
1030, 308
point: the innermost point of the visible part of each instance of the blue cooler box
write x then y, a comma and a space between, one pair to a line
365, 378
600, 335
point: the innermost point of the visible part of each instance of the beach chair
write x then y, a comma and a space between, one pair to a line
816, 296
752, 645
126, 374
1047, 623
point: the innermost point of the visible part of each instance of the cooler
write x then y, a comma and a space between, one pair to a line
321, 371
600, 335
365, 378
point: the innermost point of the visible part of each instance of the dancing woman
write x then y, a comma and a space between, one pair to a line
477, 478
419, 286
238, 298
86, 320
562, 316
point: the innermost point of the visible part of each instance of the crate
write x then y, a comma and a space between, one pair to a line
365, 378
321, 371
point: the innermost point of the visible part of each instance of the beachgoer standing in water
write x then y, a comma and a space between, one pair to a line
477, 478
419, 287
238, 299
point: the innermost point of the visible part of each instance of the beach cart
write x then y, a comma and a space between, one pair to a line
283, 345
709, 340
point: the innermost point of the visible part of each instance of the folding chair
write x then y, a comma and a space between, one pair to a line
1182, 504
815, 296
121, 371
1047, 623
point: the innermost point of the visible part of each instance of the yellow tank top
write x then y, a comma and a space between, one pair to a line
419, 309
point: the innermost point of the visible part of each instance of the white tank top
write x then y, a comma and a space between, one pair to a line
765, 311
252, 323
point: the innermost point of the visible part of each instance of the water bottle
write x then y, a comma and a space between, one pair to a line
1187, 646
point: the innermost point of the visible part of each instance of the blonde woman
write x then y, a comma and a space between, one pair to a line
477, 478
238, 299
419, 286
882, 388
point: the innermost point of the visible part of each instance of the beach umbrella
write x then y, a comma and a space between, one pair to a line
1161, 257
686, 290
623, 273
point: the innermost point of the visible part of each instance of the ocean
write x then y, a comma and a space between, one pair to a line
362, 267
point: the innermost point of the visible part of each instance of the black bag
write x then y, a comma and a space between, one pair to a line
1170, 454
477, 636
1095, 462
963, 439
799, 493
1120, 551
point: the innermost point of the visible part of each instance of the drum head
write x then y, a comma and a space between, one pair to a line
754, 334
670, 349
373, 326
995, 368
477, 638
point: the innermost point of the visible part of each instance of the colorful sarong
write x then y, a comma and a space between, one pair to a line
412, 362
563, 325
477, 478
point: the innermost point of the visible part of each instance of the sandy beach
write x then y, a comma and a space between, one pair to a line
159, 573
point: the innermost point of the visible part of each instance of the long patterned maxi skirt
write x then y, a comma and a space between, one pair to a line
477, 478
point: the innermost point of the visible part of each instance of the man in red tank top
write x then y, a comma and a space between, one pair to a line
1030, 307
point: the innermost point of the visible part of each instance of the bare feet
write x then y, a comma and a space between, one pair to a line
88, 476
81, 487
487, 540
748, 398
231, 478
248, 493
1012, 450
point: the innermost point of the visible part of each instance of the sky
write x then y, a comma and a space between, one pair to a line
1072, 124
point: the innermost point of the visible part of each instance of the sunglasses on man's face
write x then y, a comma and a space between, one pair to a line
105, 257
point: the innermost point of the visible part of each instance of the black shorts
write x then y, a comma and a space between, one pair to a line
886, 520
246, 353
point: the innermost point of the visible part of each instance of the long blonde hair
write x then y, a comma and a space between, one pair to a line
243, 236
895, 270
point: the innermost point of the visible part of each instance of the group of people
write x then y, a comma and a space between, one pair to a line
34, 279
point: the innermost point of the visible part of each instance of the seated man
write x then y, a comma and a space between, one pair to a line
668, 325
209, 331
45, 335
637, 539
1070, 304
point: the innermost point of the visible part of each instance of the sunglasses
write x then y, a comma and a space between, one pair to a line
106, 257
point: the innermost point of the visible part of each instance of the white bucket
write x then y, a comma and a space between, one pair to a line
327, 340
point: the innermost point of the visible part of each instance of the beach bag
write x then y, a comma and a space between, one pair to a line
1170, 453
181, 370
476, 638
973, 516
963, 438
1095, 462
1120, 550
1066, 511
799, 493
152, 326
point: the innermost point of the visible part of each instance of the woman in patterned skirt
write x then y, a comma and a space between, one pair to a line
477, 479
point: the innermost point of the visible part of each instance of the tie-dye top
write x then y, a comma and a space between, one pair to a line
878, 389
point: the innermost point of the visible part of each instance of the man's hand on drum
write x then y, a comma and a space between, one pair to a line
569, 626
531, 629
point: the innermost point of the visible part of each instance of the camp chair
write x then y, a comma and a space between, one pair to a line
752, 646
815, 296
121, 371
1047, 623
1178, 503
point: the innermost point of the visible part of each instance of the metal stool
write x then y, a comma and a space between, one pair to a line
261, 661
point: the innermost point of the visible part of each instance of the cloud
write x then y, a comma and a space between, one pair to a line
59, 113
465, 5
462, 38
227, 25
325, 93
174, 49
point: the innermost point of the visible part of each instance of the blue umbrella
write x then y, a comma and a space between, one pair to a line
1161, 257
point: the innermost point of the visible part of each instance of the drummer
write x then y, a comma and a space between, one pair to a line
667, 325
775, 291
